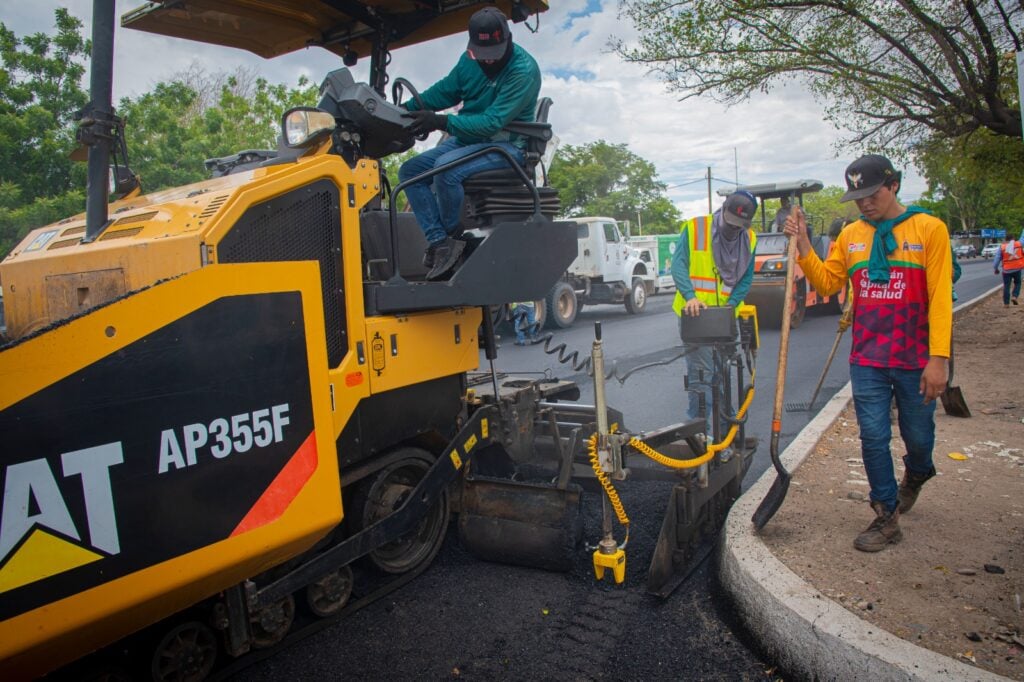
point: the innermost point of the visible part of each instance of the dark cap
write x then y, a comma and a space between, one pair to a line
739, 208
866, 175
488, 34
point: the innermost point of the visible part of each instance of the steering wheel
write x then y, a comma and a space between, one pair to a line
396, 97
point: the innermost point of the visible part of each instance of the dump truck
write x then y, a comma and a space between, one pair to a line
657, 250
607, 269
236, 410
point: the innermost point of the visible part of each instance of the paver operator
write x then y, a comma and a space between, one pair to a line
900, 263
1010, 259
713, 266
497, 82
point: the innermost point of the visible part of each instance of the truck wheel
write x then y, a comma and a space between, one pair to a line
636, 301
561, 306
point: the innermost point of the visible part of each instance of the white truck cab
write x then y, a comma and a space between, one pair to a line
607, 269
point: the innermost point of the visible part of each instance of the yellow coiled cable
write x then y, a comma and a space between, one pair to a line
609, 489
713, 448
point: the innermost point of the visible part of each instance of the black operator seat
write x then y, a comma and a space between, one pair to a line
498, 195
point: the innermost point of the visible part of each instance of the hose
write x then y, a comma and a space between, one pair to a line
572, 358
714, 448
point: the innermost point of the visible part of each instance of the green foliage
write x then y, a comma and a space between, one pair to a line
17, 221
605, 179
39, 93
170, 133
975, 181
890, 75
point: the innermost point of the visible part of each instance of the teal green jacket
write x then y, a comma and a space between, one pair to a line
487, 105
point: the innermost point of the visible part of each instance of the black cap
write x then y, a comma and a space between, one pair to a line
739, 208
488, 35
866, 175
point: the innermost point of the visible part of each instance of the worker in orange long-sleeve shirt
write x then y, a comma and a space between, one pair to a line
899, 262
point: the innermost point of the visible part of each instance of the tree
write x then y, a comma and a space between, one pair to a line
605, 179
171, 131
892, 73
40, 91
974, 181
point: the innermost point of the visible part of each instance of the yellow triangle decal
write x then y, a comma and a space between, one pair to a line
40, 557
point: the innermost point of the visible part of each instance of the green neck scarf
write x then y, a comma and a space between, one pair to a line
885, 243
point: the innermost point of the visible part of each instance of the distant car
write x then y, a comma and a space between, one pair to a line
965, 251
989, 251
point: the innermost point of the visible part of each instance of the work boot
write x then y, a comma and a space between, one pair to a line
910, 486
884, 530
446, 255
428, 255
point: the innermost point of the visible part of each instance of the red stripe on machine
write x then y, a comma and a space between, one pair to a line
283, 489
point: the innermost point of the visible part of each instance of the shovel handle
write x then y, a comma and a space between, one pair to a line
787, 304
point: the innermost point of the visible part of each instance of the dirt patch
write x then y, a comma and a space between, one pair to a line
955, 583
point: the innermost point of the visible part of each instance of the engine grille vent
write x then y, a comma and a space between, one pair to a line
213, 206
302, 225
63, 243
140, 218
120, 234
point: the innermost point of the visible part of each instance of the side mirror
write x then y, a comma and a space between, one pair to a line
302, 125
122, 181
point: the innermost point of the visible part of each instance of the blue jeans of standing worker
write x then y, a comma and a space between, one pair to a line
1008, 278
873, 391
700, 361
437, 201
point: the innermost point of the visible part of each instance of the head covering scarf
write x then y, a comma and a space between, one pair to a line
730, 246
884, 244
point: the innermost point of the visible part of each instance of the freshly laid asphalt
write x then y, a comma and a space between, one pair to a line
465, 618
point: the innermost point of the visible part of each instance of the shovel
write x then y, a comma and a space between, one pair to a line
953, 398
777, 493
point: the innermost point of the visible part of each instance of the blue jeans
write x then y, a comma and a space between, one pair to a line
525, 319
700, 359
873, 391
437, 201
1008, 279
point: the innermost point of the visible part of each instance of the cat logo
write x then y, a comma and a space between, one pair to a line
39, 537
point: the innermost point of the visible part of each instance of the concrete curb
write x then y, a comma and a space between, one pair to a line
805, 632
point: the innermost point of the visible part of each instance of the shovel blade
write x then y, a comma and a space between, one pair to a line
772, 501
953, 402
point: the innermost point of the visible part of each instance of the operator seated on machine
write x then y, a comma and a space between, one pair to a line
497, 82
713, 266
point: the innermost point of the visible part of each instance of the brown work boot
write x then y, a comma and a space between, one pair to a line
884, 530
910, 486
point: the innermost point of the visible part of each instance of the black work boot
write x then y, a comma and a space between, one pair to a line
883, 531
446, 255
428, 255
910, 486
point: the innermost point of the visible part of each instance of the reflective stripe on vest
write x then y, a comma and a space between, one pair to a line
707, 286
1013, 259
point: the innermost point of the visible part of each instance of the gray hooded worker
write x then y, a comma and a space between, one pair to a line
713, 266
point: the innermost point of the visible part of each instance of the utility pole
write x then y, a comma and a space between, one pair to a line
639, 224
710, 209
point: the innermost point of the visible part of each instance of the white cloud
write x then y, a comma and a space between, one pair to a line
778, 136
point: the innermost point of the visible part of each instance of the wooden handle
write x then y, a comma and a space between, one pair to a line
787, 303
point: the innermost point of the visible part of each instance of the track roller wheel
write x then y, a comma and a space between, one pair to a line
385, 493
185, 654
328, 596
271, 623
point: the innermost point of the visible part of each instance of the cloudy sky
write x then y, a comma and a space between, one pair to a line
773, 137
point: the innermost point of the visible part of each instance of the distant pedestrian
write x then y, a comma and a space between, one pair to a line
1010, 258
524, 319
901, 266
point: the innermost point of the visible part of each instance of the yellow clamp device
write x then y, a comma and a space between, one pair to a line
616, 562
